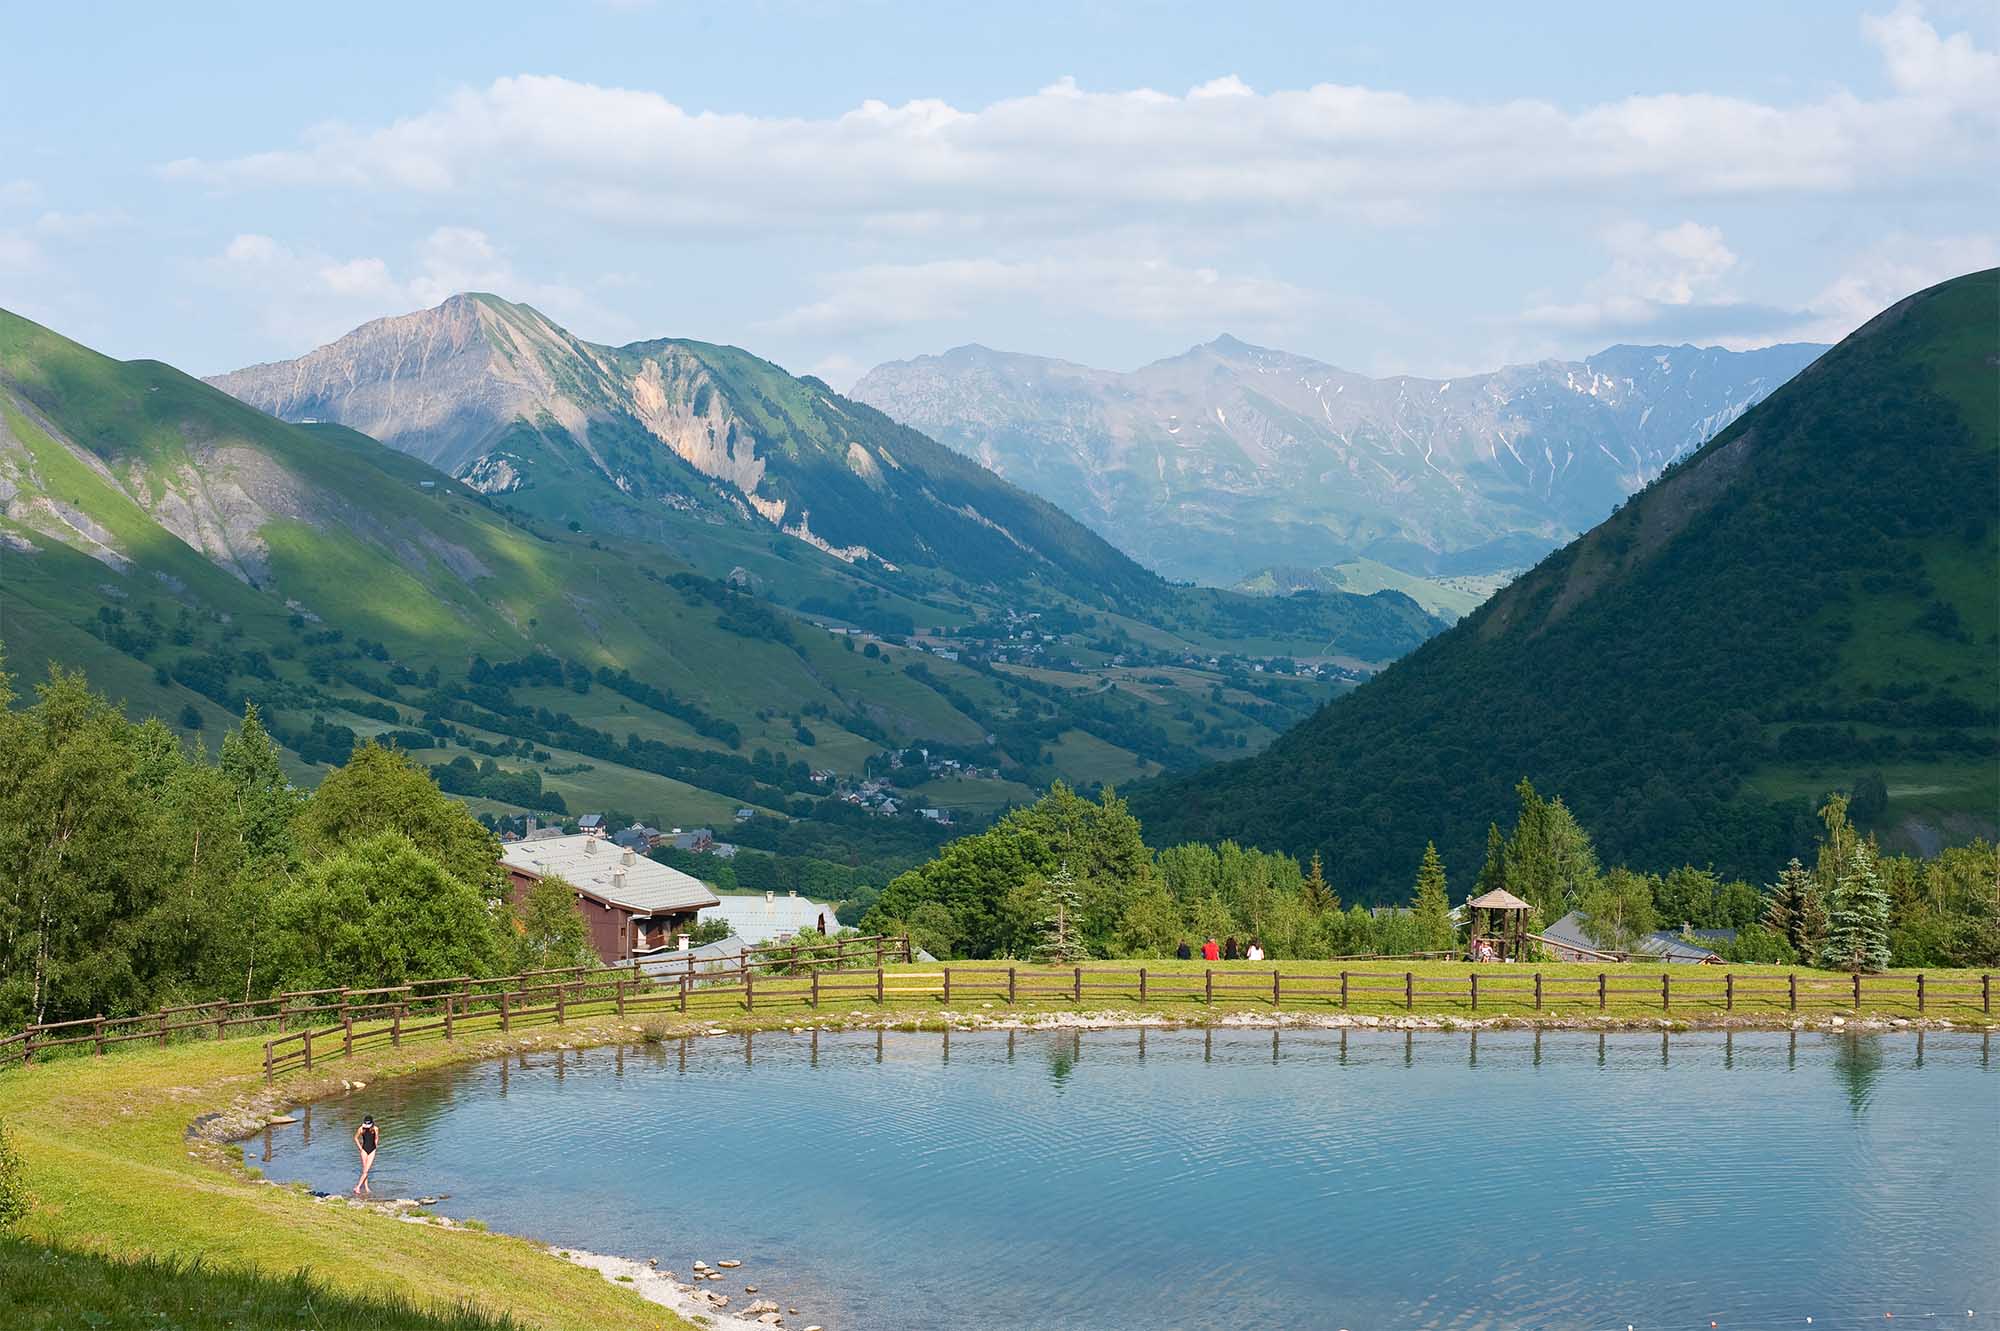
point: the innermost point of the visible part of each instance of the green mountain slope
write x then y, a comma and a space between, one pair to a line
192, 553
1807, 600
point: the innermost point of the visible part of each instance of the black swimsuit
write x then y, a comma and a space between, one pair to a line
368, 1139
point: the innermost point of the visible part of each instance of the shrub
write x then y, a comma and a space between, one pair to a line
14, 1196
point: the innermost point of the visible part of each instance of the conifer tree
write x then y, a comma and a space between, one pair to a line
1317, 893
1858, 926
1062, 920
1432, 908
1784, 914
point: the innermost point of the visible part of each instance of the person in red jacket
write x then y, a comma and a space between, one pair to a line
1210, 951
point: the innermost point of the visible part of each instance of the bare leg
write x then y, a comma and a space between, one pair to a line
367, 1163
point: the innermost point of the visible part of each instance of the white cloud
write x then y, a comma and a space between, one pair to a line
1144, 290
1063, 156
1891, 269
304, 298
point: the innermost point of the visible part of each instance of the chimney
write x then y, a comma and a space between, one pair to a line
590, 845
792, 893
770, 897
618, 876
628, 855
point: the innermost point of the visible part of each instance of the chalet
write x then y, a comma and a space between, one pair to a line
633, 906
638, 838
760, 917
1567, 940
697, 840
592, 824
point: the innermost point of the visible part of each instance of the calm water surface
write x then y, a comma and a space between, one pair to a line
1236, 1178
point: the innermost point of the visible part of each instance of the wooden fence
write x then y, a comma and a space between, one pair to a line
445, 1000
367, 1019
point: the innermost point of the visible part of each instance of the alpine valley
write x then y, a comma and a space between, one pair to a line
1220, 463
666, 581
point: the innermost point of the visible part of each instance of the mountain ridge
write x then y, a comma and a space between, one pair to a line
1255, 456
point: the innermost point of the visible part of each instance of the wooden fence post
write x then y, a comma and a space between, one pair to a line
1666, 990
879, 974
1600, 991
1857, 991
1142, 984
749, 990
1079, 986
1274, 987
1208, 986
1010, 984
281, 1014
1409, 991
27, 1046
1986, 993
815, 989
560, 989
878, 953
621, 996
1729, 992
1920, 991
347, 1034
1343, 990
947, 986
97, 1033
506, 1017
907, 955
1538, 991
1792, 983
267, 1061
308, 1040
685, 978
221, 1017
1475, 991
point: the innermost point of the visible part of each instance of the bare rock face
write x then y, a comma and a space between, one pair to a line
440, 384
1259, 456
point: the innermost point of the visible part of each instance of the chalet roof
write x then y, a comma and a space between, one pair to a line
1569, 932
597, 867
762, 916
1499, 899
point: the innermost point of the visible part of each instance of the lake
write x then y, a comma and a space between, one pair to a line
1234, 1177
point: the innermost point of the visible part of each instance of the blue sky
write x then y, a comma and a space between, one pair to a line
1392, 188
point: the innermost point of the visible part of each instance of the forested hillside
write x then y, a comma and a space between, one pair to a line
1805, 604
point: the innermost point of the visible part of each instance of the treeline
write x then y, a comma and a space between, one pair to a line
1067, 864
487, 779
136, 873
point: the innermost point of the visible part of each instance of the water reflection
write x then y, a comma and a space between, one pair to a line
1288, 1172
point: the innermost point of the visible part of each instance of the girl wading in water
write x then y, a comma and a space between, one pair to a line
366, 1138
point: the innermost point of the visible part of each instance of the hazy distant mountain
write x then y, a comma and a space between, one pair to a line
1230, 457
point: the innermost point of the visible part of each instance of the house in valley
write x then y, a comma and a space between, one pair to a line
762, 916
633, 906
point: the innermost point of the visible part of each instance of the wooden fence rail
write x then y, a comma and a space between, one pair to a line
318, 1024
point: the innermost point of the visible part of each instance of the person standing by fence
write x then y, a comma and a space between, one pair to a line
367, 1138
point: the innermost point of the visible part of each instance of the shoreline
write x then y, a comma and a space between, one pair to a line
729, 1304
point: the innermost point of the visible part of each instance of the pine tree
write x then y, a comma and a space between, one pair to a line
1062, 921
1836, 848
1858, 931
1493, 874
1432, 908
1317, 893
1784, 914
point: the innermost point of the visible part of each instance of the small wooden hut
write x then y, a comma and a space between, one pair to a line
1498, 918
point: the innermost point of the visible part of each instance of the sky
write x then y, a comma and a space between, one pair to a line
1392, 188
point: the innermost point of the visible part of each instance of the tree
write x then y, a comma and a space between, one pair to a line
1618, 910
266, 801
1836, 847
1549, 861
381, 790
548, 933
1318, 895
1062, 910
1858, 918
378, 912
1789, 913
190, 717
1432, 908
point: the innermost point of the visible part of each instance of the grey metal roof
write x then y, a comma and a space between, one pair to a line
594, 865
1667, 946
764, 916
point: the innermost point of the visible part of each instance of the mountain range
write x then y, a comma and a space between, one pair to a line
1229, 458
640, 592
1805, 603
